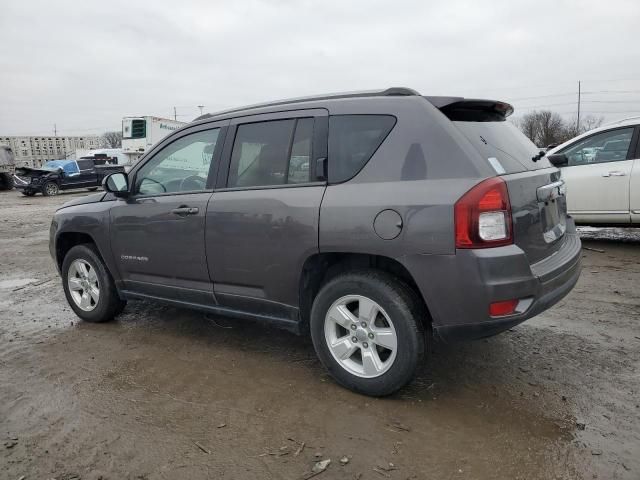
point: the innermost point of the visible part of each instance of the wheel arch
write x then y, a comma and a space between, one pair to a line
321, 267
65, 241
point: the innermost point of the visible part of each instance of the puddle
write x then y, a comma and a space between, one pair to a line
16, 282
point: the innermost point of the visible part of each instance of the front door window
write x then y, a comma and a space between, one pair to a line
182, 166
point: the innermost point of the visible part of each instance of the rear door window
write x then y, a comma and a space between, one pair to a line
275, 152
353, 139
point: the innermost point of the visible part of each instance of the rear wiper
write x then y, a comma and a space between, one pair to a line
538, 156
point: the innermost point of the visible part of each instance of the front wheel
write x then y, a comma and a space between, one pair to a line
50, 189
88, 286
367, 329
28, 193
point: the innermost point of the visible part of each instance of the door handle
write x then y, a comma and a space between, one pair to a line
616, 173
183, 211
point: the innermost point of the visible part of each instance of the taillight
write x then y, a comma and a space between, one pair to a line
503, 308
483, 216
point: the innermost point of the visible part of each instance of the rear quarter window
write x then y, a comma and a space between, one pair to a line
353, 139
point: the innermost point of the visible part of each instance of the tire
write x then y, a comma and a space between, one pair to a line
399, 312
28, 193
108, 304
92, 189
6, 181
50, 189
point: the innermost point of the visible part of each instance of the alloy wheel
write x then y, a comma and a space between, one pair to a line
83, 283
360, 336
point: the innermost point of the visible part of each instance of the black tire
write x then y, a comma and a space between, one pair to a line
406, 313
6, 181
92, 189
28, 193
50, 189
109, 304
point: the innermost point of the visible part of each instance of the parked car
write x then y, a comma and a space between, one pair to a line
56, 175
601, 169
370, 221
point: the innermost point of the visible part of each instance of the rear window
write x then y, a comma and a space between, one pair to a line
353, 139
505, 148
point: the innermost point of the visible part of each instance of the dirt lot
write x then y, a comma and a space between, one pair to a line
165, 394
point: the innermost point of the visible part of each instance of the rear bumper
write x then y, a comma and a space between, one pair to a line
458, 289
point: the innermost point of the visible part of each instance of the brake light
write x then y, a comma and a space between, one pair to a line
483, 216
500, 309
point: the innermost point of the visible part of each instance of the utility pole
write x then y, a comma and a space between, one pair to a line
55, 130
175, 115
578, 120
200, 107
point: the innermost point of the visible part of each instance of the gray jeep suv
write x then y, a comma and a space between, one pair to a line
372, 221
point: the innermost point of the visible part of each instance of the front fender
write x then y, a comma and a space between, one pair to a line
89, 219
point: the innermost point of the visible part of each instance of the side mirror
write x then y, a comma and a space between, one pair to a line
558, 159
116, 183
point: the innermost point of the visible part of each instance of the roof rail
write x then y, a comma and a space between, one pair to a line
389, 92
622, 120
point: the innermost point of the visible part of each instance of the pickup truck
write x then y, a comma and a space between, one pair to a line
56, 175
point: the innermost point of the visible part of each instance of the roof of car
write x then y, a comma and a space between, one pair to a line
439, 102
625, 122
389, 92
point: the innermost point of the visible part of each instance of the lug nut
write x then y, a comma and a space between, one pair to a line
364, 324
353, 326
354, 339
371, 336
365, 345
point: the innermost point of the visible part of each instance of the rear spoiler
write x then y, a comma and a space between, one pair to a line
471, 110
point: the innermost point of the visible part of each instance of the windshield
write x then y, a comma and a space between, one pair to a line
505, 147
66, 165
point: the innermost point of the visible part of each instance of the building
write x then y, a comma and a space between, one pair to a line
34, 151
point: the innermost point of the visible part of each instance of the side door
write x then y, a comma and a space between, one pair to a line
262, 220
88, 176
157, 233
598, 175
70, 177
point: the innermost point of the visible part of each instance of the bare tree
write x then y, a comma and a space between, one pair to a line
586, 123
112, 139
545, 127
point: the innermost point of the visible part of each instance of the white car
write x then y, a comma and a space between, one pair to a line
601, 170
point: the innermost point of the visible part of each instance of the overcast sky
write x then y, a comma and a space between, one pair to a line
83, 65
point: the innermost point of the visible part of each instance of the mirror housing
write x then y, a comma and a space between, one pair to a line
116, 183
558, 159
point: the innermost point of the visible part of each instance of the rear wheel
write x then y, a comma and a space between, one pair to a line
88, 285
50, 189
367, 330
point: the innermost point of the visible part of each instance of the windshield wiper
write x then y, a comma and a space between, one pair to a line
538, 156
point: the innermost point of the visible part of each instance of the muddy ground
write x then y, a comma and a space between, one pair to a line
163, 393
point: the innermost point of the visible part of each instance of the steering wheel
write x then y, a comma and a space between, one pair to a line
197, 183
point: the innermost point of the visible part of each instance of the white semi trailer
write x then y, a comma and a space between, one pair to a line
139, 134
